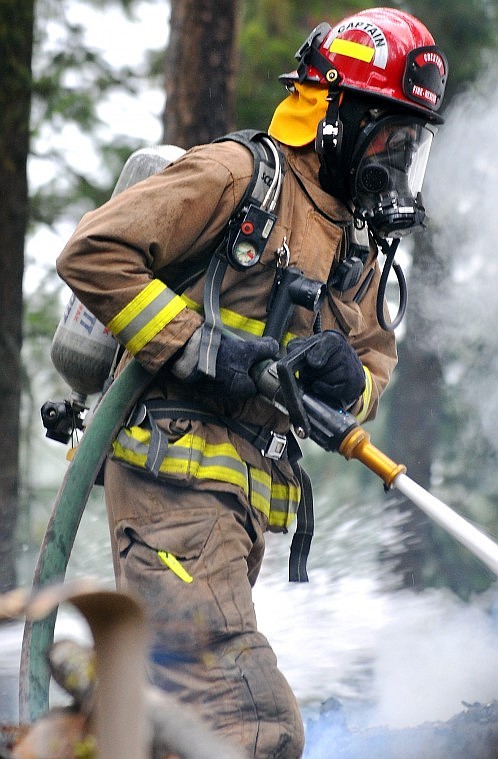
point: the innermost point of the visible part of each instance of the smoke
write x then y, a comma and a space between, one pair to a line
390, 658
434, 653
461, 193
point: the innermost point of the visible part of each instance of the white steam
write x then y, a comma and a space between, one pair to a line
391, 658
461, 193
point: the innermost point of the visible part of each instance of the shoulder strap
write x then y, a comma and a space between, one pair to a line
269, 167
255, 213
269, 163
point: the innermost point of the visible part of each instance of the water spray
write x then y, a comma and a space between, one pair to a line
356, 445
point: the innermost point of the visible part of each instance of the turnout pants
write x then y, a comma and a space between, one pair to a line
193, 556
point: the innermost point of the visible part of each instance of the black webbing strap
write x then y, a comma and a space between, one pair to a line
264, 165
212, 326
301, 541
156, 409
254, 194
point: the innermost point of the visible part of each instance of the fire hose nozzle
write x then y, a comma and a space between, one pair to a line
357, 445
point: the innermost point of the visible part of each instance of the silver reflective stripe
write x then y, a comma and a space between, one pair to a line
148, 316
196, 460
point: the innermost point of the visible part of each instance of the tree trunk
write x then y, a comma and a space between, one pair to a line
16, 30
415, 412
201, 69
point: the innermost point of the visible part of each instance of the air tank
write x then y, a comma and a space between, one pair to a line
83, 350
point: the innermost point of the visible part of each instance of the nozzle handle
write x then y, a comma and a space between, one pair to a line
356, 445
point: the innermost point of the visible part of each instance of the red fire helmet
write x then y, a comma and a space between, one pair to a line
382, 52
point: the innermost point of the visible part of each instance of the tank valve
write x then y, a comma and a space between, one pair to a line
62, 418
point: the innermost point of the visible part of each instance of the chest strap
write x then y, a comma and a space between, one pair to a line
245, 237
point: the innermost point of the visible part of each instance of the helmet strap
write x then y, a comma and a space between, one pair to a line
330, 130
309, 55
336, 140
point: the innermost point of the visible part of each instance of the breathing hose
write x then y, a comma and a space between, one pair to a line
389, 252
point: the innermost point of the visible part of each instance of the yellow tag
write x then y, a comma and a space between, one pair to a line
352, 50
70, 454
175, 566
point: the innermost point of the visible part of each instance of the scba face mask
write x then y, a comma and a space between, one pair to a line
387, 172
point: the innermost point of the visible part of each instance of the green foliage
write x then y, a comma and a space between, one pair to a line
272, 32
42, 311
70, 83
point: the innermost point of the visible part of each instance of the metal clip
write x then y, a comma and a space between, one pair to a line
276, 447
137, 415
283, 255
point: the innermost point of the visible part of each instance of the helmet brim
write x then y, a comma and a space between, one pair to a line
290, 79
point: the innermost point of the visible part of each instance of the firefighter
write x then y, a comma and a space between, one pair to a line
205, 465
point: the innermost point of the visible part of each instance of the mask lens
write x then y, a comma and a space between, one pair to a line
388, 169
400, 151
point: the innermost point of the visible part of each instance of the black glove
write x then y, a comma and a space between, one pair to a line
233, 362
333, 371
235, 359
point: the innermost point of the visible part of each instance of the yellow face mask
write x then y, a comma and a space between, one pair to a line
296, 118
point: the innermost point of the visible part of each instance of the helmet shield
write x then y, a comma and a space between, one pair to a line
387, 172
425, 74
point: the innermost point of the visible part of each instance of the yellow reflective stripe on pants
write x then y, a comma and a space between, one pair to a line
141, 319
192, 456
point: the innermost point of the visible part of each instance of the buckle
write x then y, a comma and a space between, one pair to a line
276, 446
137, 415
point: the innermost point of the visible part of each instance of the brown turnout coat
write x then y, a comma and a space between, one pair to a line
165, 223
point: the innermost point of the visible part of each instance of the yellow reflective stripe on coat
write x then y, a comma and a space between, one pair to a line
144, 316
277, 501
260, 491
238, 323
366, 396
192, 456
283, 496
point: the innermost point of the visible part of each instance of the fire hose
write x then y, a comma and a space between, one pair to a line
60, 534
